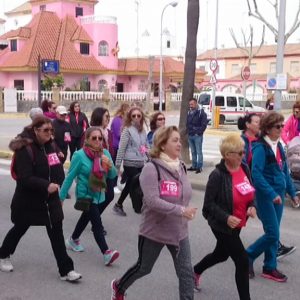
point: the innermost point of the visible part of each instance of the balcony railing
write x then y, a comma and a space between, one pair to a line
92, 19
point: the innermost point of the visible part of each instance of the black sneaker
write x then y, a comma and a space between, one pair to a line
274, 275
198, 171
119, 210
191, 169
284, 250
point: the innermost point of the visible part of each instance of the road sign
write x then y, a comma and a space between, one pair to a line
50, 66
213, 79
245, 73
213, 65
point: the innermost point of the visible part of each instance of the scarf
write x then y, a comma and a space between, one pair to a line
97, 179
273, 144
174, 164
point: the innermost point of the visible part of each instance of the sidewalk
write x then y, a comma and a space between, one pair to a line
198, 181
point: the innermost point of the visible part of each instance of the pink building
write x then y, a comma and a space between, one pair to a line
86, 47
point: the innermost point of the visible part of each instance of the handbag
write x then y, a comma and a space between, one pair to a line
83, 204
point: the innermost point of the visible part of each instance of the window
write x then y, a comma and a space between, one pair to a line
78, 12
231, 102
19, 84
219, 101
253, 68
42, 7
235, 69
241, 102
102, 85
295, 67
272, 68
103, 48
84, 48
13, 45
204, 99
168, 44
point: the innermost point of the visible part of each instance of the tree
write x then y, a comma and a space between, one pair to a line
247, 45
189, 72
49, 81
257, 14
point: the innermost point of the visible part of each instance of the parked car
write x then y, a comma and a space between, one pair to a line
232, 106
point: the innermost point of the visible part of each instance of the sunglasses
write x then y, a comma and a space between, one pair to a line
240, 153
278, 126
136, 116
94, 138
46, 130
161, 119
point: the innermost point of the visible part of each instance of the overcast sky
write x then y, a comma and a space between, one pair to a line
232, 14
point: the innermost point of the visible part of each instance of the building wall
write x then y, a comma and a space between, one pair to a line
63, 9
103, 32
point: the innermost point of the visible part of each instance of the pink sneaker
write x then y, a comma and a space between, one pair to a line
110, 256
115, 295
197, 280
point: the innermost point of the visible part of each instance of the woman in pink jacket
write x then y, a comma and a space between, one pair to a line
292, 125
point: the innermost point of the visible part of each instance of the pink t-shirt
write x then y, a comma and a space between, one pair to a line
243, 194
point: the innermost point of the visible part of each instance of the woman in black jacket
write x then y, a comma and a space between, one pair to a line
79, 123
39, 174
226, 209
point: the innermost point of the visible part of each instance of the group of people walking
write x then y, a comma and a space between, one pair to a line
251, 178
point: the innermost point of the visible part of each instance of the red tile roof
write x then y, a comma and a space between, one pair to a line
265, 51
51, 38
140, 65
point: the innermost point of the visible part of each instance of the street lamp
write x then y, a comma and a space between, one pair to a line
161, 94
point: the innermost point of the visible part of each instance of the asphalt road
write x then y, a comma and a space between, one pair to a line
35, 274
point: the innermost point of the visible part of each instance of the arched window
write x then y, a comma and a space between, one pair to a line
102, 84
103, 48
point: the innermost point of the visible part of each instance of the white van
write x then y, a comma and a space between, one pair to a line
231, 106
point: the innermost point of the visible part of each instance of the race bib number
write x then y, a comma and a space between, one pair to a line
143, 149
245, 188
67, 137
53, 159
169, 188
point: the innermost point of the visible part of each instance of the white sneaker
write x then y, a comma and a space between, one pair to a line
6, 265
117, 190
71, 276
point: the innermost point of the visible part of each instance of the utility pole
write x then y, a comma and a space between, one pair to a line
213, 95
280, 50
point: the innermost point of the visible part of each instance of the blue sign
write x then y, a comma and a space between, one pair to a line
50, 66
272, 82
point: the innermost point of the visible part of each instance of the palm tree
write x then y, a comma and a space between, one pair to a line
189, 72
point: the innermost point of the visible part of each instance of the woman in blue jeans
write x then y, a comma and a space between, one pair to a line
271, 180
92, 166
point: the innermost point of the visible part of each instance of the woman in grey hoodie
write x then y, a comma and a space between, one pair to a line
132, 152
165, 215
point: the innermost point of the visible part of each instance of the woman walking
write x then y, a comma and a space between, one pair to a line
132, 152
165, 216
271, 180
157, 120
91, 165
226, 209
79, 123
35, 201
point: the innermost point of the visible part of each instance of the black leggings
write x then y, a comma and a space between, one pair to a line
55, 233
130, 172
229, 245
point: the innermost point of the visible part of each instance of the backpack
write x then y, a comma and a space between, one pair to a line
13, 161
136, 193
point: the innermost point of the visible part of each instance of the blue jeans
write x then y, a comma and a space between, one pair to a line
270, 215
195, 144
93, 216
